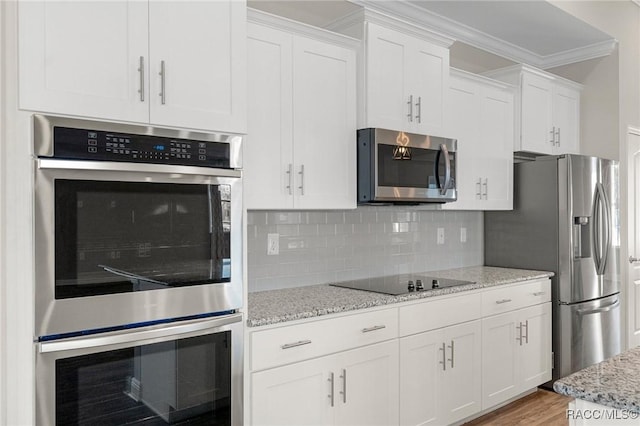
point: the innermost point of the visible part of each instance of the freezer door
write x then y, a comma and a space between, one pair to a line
589, 235
586, 334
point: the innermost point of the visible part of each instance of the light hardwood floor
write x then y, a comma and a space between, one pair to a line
541, 408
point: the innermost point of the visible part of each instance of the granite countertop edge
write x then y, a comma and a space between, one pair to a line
284, 305
614, 382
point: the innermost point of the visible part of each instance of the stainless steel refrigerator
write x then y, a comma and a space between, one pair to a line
566, 220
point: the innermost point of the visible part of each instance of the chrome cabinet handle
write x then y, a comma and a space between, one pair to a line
419, 108
486, 188
410, 103
526, 336
295, 344
301, 173
479, 189
331, 395
141, 72
163, 74
633, 259
290, 173
558, 136
374, 328
538, 293
553, 136
444, 358
519, 338
500, 302
452, 354
344, 386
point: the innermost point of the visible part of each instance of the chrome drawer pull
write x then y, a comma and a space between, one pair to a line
374, 328
295, 344
538, 293
500, 302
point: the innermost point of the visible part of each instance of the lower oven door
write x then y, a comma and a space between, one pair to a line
179, 373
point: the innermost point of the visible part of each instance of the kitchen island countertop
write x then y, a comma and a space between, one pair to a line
614, 382
277, 306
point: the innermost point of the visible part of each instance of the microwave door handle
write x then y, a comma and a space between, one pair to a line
447, 169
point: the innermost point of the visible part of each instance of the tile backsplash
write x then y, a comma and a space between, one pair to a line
318, 247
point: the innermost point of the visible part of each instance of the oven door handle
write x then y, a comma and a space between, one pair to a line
165, 169
161, 332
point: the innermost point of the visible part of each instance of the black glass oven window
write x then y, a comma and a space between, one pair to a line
180, 382
410, 167
117, 237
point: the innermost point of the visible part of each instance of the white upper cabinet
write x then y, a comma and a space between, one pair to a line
406, 81
197, 55
404, 74
177, 64
300, 152
548, 110
482, 120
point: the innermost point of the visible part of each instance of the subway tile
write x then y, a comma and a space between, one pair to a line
316, 217
318, 247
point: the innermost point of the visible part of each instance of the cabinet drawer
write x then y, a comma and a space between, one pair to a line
439, 313
284, 345
516, 297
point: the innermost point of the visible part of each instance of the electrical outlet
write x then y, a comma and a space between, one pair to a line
440, 235
463, 235
273, 244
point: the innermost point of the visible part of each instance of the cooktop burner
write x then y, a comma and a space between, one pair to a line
401, 284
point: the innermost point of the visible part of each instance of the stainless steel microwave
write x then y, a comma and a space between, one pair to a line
400, 167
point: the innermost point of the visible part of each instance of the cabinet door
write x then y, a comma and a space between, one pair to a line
500, 350
462, 379
535, 359
496, 137
83, 58
428, 82
422, 359
268, 149
387, 96
366, 386
566, 116
464, 123
295, 395
536, 114
324, 125
202, 47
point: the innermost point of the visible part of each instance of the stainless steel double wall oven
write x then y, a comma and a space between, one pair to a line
138, 249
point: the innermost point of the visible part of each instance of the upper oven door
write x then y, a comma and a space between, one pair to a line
122, 243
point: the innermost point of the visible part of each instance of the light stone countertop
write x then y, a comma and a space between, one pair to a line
614, 382
277, 306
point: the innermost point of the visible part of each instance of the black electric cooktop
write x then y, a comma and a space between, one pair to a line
401, 284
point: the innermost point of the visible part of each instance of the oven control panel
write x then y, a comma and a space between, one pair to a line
111, 146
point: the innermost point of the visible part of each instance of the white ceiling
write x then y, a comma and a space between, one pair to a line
531, 31
535, 29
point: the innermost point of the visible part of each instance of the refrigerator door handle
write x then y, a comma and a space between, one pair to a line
602, 234
598, 310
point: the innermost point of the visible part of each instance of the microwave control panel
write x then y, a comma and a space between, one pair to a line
82, 144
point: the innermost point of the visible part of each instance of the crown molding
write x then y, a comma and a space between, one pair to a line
446, 27
372, 13
285, 24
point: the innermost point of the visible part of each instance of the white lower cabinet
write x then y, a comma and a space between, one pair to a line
435, 361
356, 387
440, 375
516, 353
